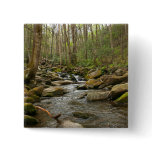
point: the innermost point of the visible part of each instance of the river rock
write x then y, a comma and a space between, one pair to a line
122, 100
53, 91
25, 91
83, 115
36, 91
29, 121
82, 87
93, 83
119, 72
32, 99
98, 96
118, 90
94, 74
70, 124
61, 82
112, 80
29, 109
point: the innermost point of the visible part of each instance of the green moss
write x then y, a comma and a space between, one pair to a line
36, 91
28, 100
29, 121
58, 70
32, 99
122, 100
29, 109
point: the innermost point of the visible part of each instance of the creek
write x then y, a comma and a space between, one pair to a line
102, 114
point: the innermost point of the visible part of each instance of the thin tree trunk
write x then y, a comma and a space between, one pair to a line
73, 29
65, 40
111, 42
52, 42
60, 45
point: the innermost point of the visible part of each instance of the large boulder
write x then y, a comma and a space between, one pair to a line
61, 82
118, 90
70, 124
53, 92
98, 96
94, 74
112, 80
93, 83
36, 91
29, 121
122, 100
29, 109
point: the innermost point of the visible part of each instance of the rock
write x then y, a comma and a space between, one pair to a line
93, 83
112, 80
82, 87
32, 99
48, 82
53, 91
83, 115
29, 109
36, 91
98, 96
53, 76
94, 74
25, 91
119, 72
118, 90
73, 78
29, 121
70, 124
28, 100
38, 73
38, 79
61, 82
122, 100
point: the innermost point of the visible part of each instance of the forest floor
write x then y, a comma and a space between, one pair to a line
84, 98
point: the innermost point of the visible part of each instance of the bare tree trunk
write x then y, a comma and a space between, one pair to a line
65, 40
30, 72
52, 42
60, 45
85, 32
73, 29
111, 42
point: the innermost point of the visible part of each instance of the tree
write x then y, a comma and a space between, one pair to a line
73, 29
111, 42
33, 65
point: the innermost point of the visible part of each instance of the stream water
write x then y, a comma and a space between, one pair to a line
103, 114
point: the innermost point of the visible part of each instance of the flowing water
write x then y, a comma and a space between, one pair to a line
103, 114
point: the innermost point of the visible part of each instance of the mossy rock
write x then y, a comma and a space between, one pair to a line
32, 99
36, 91
122, 100
94, 74
82, 115
28, 100
29, 109
93, 83
53, 92
29, 121
25, 91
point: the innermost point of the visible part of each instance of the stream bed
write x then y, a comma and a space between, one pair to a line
102, 114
